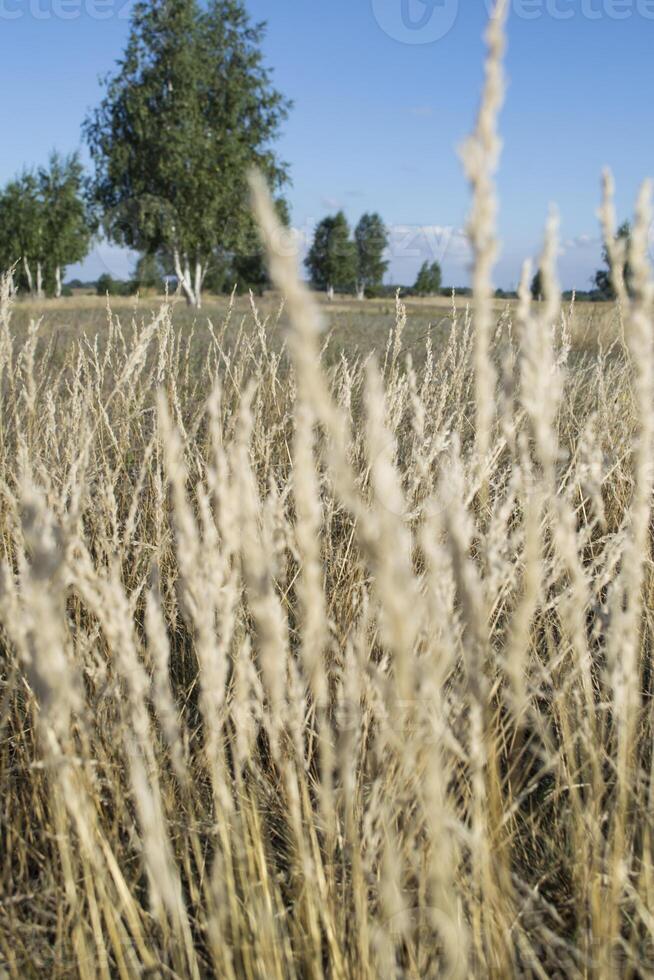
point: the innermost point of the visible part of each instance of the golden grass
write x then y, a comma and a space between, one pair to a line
244, 634
299, 680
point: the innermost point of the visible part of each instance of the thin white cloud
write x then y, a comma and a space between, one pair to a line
581, 241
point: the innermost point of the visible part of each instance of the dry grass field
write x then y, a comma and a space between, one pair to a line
291, 686
353, 327
326, 635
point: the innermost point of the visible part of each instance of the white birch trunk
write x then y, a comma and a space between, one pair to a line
28, 276
330, 294
39, 281
58, 287
361, 292
199, 279
184, 278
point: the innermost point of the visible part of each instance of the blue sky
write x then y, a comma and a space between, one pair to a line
381, 107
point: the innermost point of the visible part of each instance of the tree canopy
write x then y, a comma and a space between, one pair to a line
332, 259
189, 111
22, 227
537, 285
604, 277
44, 224
67, 224
428, 282
371, 240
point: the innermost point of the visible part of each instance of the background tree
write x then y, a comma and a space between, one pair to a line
106, 285
604, 277
9, 253
190, 110
428, 282
67, 222
537, 286
23, 232
371, 240
332, 259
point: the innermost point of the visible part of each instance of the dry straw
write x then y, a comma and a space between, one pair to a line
318, 668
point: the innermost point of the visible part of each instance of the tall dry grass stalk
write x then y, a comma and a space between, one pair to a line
480, 155
305, 676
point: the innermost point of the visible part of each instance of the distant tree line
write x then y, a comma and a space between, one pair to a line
604, 279
341, 262
338, 262
189, 110
45, 225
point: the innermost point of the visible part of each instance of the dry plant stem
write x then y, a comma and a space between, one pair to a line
627, 606
480, 156
399, 601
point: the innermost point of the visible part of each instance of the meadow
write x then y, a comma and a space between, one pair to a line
352, 327
290, 686
326, 631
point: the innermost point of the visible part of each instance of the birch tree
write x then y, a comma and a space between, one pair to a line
371, 240
23, 232
332, 258
428, 281
67, 223
190, 109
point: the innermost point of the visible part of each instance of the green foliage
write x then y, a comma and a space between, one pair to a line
429, 280
108, 286
604, 277
371, 240
537, 286
248, 268
44, 223
189, 111
148, 273
245, 269
22, 227
67, 222
383, 292
332, 259
219, 279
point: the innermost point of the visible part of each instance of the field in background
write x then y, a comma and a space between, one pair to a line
353, 326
